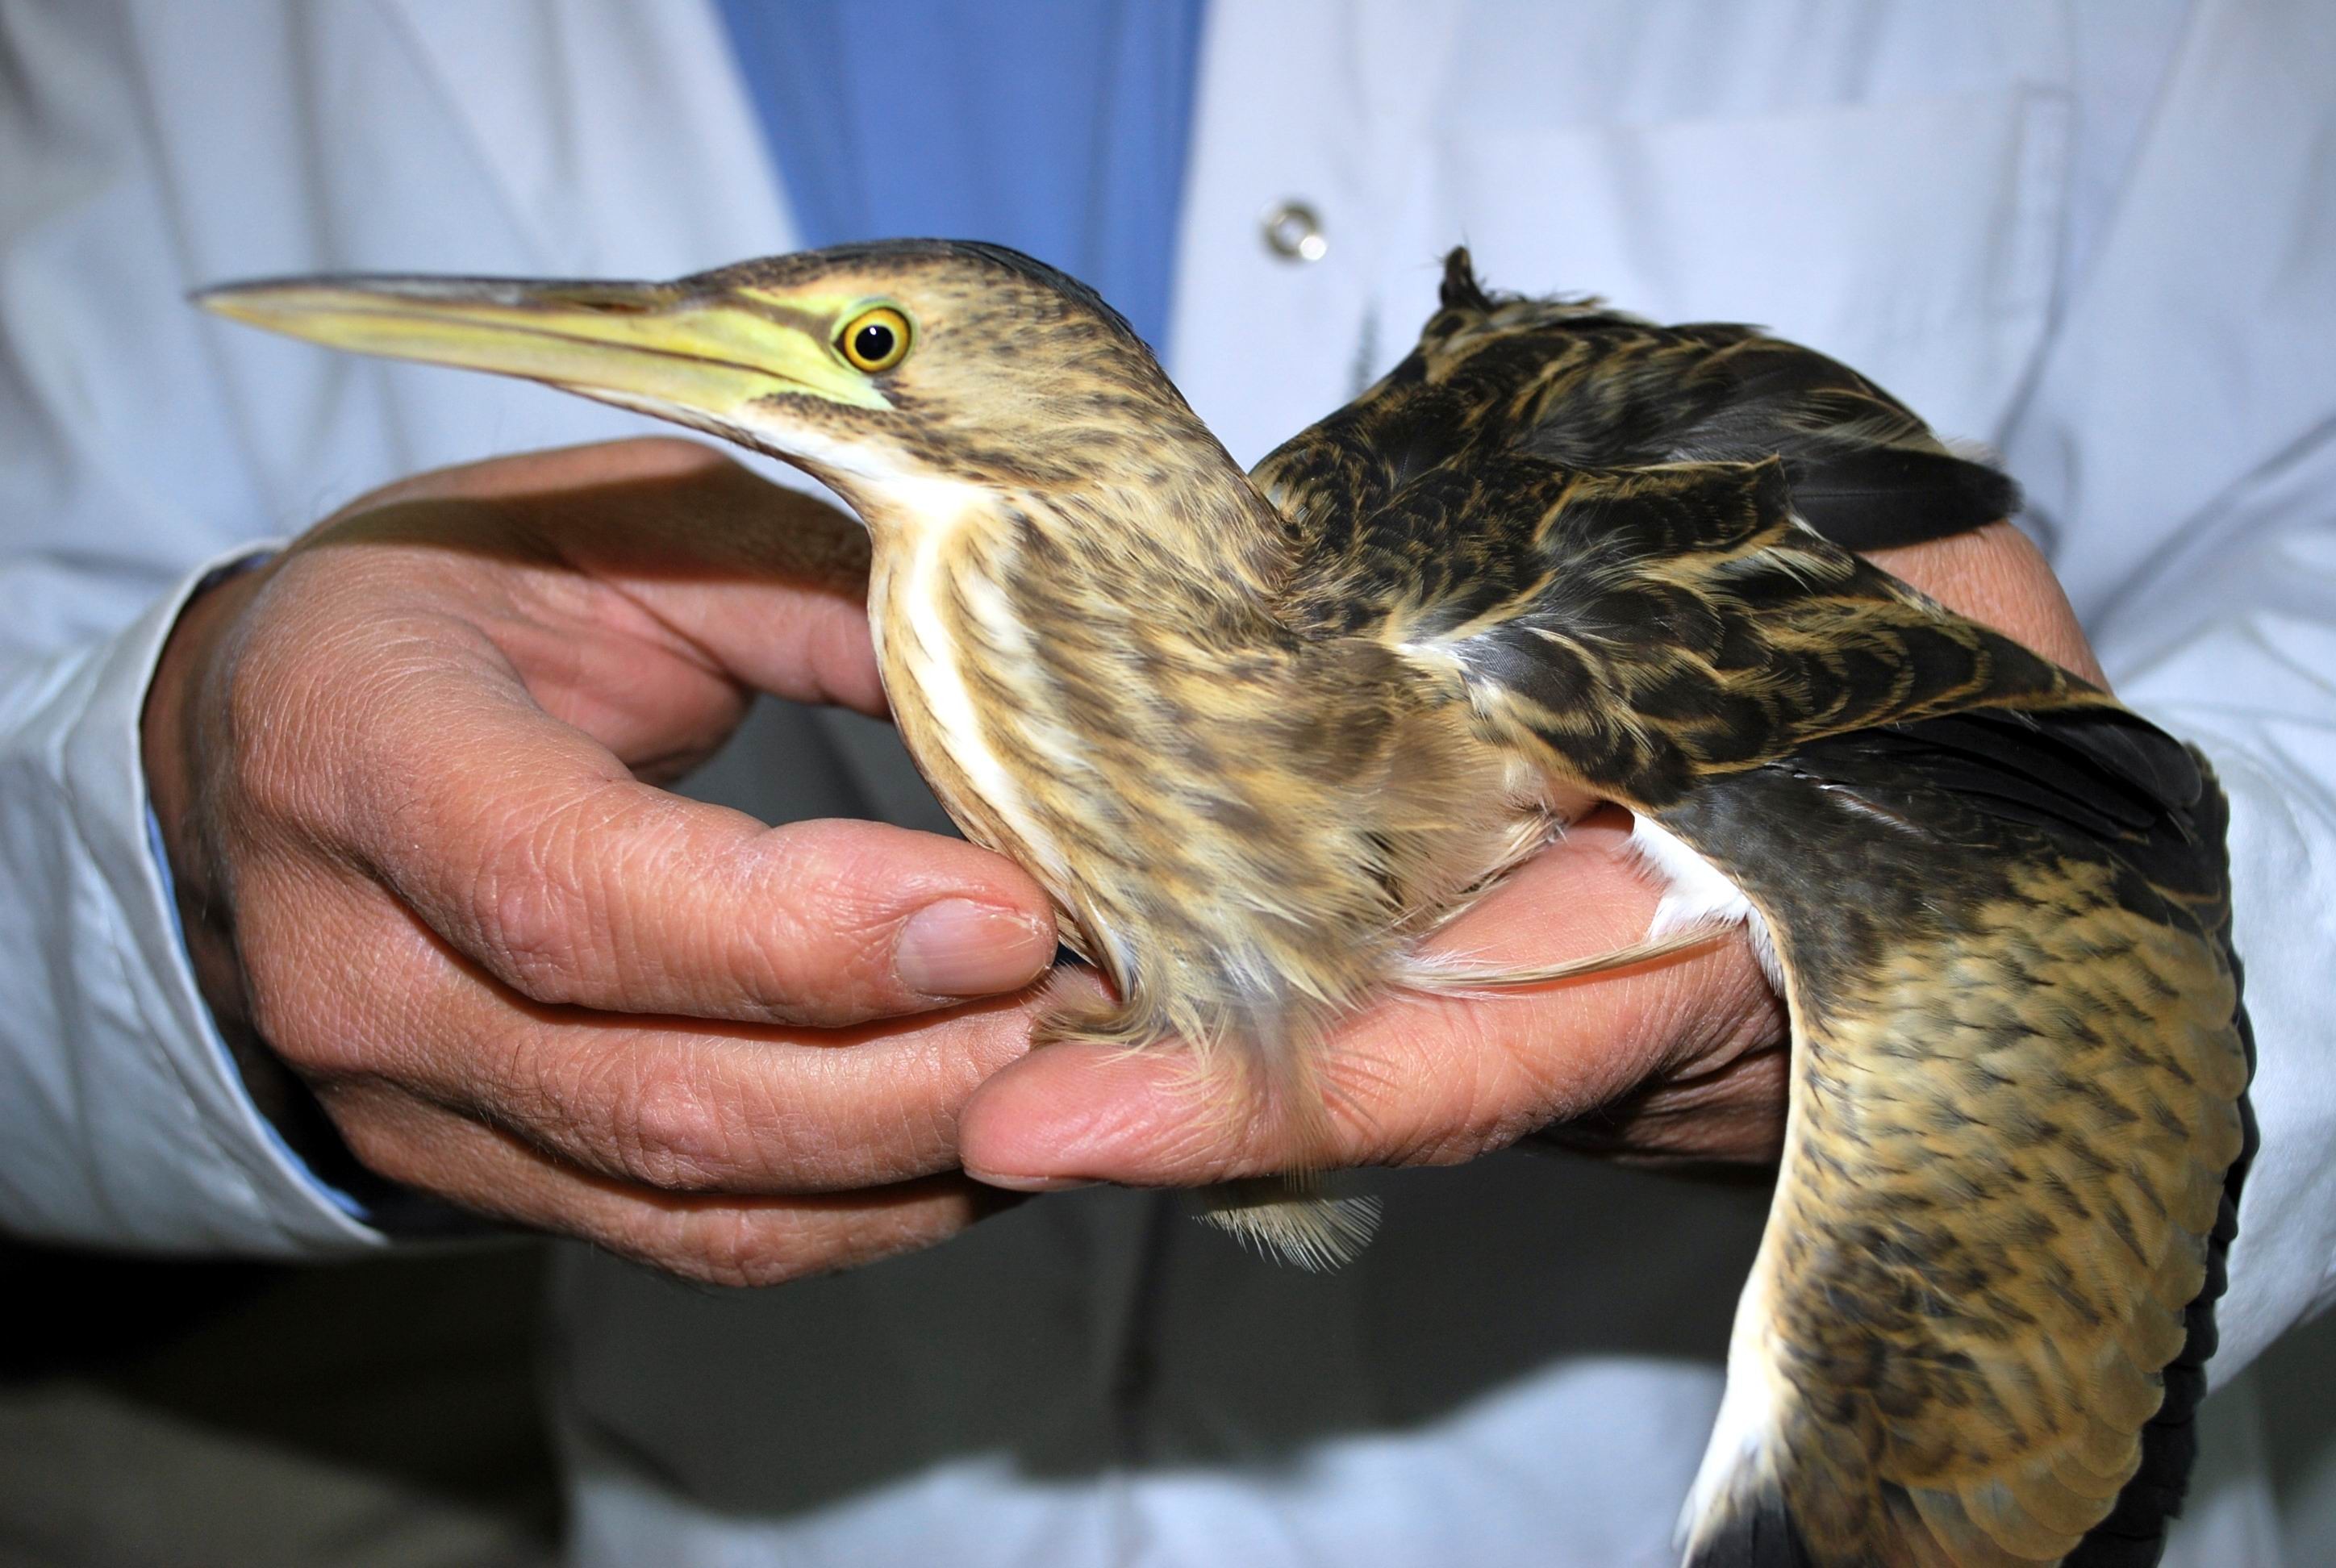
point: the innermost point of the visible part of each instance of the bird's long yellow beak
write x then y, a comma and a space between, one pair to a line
703, 359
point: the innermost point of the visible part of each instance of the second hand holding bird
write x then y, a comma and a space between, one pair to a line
1680, 1059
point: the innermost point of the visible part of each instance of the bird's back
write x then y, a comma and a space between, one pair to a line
1579, 384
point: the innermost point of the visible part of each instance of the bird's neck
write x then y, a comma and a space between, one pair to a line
1018, 630
1198, 540
1172, 535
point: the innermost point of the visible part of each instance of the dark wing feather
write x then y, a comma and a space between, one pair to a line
1873, 498
1645, 626
2133, 1534
2099, 769
1861, 469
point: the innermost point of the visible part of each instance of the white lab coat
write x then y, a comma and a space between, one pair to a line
2095, 235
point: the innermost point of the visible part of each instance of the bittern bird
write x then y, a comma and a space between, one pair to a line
1259, 735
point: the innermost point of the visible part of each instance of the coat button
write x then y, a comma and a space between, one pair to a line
1294, 231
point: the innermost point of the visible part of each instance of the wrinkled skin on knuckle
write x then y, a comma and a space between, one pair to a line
1732, 1114
1512, 1067
331, 736
672, 1131
533, 912
911, 1127
776, 961
387, 1130
270, 738
303, 997
1711, 1009
1520, 1064
1491, 1118
572, 1101
1716, 1091
544, 910
1468, 1103
527, 928
1735, 1113
642, 1112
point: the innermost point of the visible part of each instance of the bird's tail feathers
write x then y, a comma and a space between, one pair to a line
1293, 1219
1256, 1060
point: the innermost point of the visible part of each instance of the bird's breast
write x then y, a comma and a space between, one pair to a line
1234, 824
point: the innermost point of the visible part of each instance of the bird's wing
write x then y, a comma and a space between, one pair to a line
2000, 907
1977, 1329
1645, 628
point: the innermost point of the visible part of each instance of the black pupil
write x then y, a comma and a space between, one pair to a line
872, 342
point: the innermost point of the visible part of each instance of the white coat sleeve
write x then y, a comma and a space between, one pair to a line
2179, 447
123, 1120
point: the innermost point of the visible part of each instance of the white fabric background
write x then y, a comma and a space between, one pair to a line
2100, 237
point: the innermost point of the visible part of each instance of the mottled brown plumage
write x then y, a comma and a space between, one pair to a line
1997, 900
1259, 738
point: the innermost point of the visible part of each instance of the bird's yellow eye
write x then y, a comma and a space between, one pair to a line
875, 339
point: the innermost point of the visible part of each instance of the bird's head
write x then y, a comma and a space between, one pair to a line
879, 368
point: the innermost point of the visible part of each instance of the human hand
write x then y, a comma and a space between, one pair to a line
405, 773
1678, 1060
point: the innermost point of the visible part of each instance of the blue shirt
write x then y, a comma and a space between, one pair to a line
1058, 127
